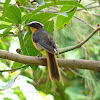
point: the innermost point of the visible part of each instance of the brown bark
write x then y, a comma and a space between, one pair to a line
71, 63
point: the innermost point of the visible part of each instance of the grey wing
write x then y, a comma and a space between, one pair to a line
53, 43
43, 42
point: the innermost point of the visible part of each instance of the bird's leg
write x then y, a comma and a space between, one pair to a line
40, 54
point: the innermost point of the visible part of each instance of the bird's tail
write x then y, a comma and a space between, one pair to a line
53, 66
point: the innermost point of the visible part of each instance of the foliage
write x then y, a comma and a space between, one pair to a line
69, 24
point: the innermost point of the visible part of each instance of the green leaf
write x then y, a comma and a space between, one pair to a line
3, 26
6, 31
42, 17
66, 3
6, 19
5, 7
26, 17
49, 26
22, 9
16, 65
14, 14
23, 47
63, 20
9, 84
4, 34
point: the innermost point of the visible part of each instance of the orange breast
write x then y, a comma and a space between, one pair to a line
33, 30
36, 46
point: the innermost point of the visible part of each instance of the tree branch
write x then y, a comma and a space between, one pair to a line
80, 44
72, 63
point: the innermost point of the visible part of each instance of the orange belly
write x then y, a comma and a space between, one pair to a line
37, 47
33, 30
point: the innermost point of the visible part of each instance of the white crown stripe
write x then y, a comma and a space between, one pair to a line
33, 22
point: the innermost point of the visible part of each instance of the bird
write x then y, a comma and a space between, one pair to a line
43, 40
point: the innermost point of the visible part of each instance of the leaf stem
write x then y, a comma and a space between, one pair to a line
13, 69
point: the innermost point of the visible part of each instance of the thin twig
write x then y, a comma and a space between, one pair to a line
57, 11
79, 74
80, 44
32, 9
89, 12
88, 7
12, 35
90, 3
13, 69
84, 22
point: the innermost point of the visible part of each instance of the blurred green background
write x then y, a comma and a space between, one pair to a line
68, 29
